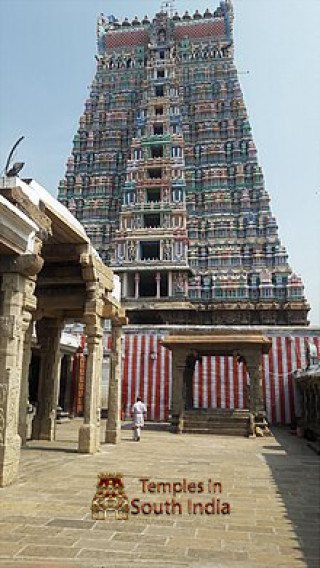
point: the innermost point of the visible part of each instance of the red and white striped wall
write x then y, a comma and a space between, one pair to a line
219, 382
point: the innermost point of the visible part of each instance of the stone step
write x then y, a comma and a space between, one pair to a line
214, 425
217, 409
214, 419
222, 421
217, 417
217, 412
243, 428
217, 432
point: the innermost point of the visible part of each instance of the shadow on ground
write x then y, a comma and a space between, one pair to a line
152, 426
296, 471
35, 448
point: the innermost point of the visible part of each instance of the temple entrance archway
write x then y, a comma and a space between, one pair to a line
188, 348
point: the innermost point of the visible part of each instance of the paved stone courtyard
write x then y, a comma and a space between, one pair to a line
272, 485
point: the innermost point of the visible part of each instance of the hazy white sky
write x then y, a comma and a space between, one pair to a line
47, 64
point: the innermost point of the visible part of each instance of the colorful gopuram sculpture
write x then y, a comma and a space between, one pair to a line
164, 177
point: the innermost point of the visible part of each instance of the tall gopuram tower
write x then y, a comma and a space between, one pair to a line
164, 177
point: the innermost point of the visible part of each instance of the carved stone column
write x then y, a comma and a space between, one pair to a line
137, 285
89, 433
187, 381
186, 286
24, 390
253, 358
179, 357
69, 379
48, 334
17, 302
170, 284
124, 285
113, 430
158, 283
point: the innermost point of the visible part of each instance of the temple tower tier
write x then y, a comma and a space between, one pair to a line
164, 177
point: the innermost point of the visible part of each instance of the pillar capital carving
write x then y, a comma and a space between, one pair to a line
253, 357
25, 264
26, 320
30, 264
179, 356
48, 329
95, 301
117, 329
94, 330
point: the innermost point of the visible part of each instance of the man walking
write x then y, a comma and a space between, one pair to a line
138, 410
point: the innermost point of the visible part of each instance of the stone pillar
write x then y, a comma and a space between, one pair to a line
186, 285
158, 282
89, 433
24, 390
125, 285
69, 380
48, 334
170, 284
187, 381
253, 358
137, 285
17, 300
179, 357
113, 430
254, 367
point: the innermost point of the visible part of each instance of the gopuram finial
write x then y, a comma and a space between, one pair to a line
167, 6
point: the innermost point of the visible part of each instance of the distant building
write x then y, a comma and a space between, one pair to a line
164, 177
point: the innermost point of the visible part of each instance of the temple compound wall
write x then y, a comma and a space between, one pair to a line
218, 382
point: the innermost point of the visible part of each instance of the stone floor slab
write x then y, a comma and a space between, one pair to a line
71, 524
49, 551
271, 485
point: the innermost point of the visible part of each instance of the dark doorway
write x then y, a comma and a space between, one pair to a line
152, 220
155, 173
157, 152
130, 285
148, 286
164, 284
159, 91
153, 195
150, 250
158, 129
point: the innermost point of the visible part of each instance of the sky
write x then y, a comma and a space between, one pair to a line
47, 64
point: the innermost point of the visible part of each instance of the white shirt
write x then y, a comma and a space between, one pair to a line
139, 408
